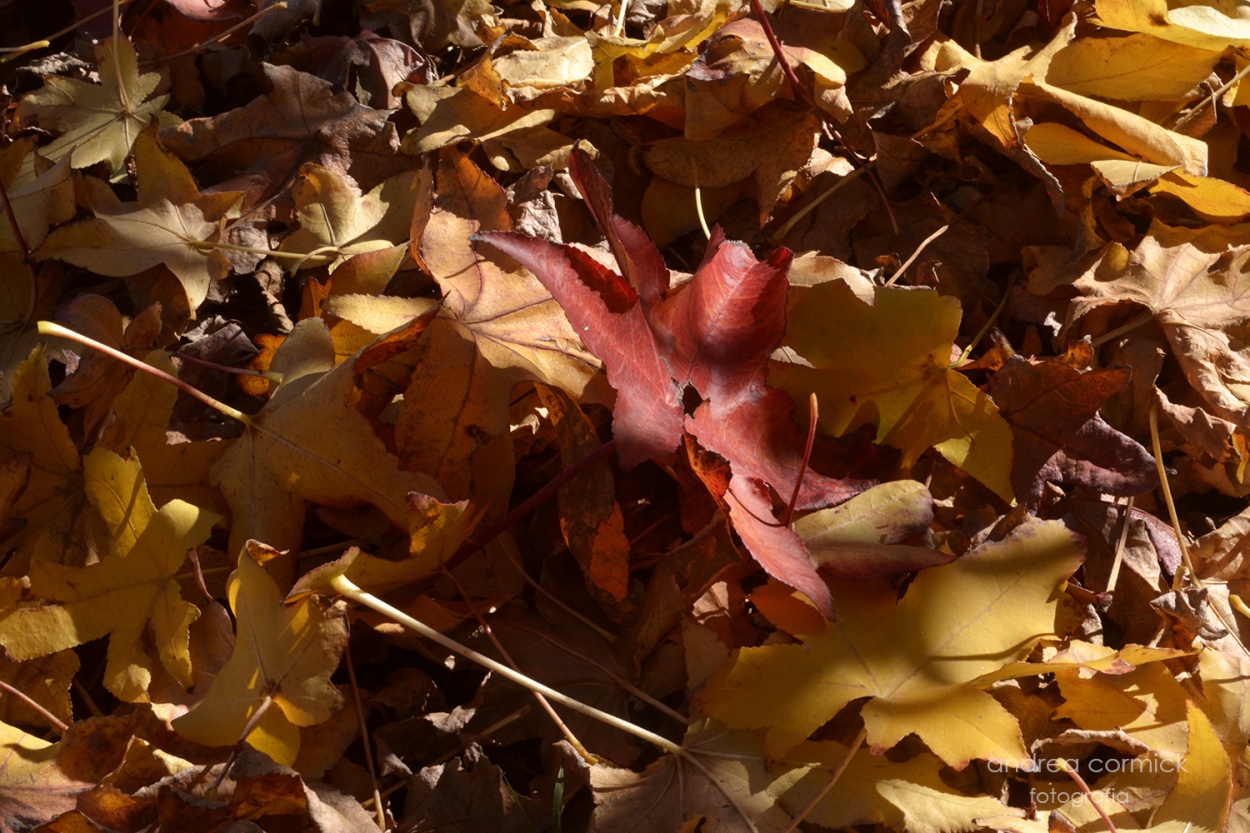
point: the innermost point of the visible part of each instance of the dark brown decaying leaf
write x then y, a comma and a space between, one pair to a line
1059, 437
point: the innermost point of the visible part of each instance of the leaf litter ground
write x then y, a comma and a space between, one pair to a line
833, 413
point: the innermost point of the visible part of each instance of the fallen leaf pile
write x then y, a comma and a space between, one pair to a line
835, 413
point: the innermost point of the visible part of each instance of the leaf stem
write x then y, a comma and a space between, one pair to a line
52, 719
1157, 448
998, 310
833, 779
1121, 330
345, 587
51, 328
220, 36
800, 92
813, 417
916, 254
255, 250
1080, 782
503, 652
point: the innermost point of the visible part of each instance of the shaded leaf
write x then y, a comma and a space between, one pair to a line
1058, 436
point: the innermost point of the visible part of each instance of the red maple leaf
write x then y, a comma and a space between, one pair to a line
713, 335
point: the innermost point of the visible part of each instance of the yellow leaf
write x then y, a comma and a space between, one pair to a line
283, 658
890, 363
141, 415
171, 223
1199, 26
1129, 131
1135, 67
122, 596
97, 122
309, 445
1214, 200
436, 531
32, 429
1057, 144
1204, 783
915, 658
336, 222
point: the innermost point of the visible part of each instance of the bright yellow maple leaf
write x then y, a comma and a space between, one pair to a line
282, 661
918, 659
890, 363
134, 588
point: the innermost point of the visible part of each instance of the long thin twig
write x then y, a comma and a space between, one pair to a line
344, 587
365, 740
52, 719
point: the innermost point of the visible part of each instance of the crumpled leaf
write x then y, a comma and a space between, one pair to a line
874, 533
35, 784
46, 681
498, 327
299, 119
890, 363
98, 380
771, 147
32, 430
437, 530
918, 659
1058, 436
1196, 285
282, 662
131, 590
308, 444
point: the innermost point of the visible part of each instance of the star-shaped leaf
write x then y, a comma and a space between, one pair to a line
97, 122
283, 658
890, 363
171, 223
131, 590
917, 659
336, 222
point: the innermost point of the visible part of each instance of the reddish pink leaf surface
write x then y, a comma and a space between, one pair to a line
714, 335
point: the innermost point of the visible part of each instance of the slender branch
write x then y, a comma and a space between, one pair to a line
52, 719
813, 417
1080, 782
51, 328
503, 652
799, 90
365, 740
833, 779
916, 254
345, 587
